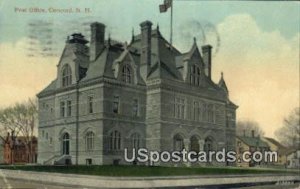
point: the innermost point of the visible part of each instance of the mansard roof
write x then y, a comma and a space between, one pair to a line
166, 62
102, 65
163, 56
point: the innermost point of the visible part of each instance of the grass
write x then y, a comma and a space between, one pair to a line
139, 171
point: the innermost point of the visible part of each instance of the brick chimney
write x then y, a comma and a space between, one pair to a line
206, 51
97, 39
145, 48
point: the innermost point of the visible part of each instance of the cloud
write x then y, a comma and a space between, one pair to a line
22, 76
261, 69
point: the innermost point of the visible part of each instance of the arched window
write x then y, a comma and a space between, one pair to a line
66, 144
115, 140
66, 76
208, 145
89, 141
195, 75
126, 74
135, 140
195, 144
178, 142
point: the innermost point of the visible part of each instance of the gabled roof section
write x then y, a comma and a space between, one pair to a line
275, 142
189, 55
51, 87
194, 49
163, 56
103, 64
222, 84
253, 141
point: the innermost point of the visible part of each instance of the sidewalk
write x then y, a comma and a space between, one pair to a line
143, 182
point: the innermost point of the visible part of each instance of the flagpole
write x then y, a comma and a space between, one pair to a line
171, 32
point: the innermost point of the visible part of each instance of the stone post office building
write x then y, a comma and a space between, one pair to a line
108, 96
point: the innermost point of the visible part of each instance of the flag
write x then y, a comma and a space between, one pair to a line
164, 7
168, 3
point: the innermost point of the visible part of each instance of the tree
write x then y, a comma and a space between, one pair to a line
246, 128
289, 133
19, 120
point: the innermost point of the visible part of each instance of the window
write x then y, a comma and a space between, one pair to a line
194, 142
208, 145
89, 141
135, 108
50, 140
89, 161
115, 140
135, 139
239, 143
197, 111
211, 113
126, 74
66, 76
179, 109
116, 103
69, 110
62, 109
46, 136
91, 104
178, 142
204, 112
66, 144
43, 133
195, 75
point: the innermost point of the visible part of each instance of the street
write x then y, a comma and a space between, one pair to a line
20, 184
10, 183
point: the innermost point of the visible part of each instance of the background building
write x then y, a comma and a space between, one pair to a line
111, 95
1, 152
293, 159
281, 150
250, 144
17, 151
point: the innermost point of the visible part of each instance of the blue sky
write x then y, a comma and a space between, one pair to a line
119, 14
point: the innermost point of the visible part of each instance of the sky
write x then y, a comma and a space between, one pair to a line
255, 44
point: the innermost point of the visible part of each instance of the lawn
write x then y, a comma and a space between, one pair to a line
109, 170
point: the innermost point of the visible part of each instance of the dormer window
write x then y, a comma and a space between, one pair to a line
195, 75
66, 76
126, 74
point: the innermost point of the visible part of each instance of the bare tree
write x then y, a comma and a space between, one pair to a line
289, 133
19, 120
245, 128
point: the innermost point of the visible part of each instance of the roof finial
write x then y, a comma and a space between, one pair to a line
132, 32
109, 38
125, 45
195, 40
157, 26
222, 74
132, 35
